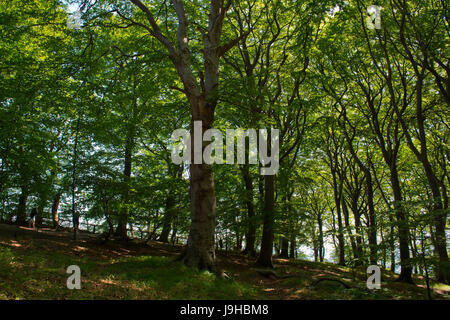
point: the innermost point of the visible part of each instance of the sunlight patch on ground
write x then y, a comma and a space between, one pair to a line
109, 281
14, 243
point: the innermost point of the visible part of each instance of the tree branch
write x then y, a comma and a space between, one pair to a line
223, 49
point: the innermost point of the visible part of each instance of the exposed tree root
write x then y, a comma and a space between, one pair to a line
317, 281
272, 274
197, 260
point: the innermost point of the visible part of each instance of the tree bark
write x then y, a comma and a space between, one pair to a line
40, 214
284, 248
22, 207
403, 228
321, 248
168, 216
55, 207
349, 229
292, 248
250, 236
392, 243
75, 214
200, 251
265, 256
173, 236
121, 231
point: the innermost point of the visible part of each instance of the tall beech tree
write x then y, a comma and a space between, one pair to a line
202, 93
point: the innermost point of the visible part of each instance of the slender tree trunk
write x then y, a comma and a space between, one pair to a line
369, 191
292, 248
55, 207
349, 229
439, 215
373, 246
315, 245
383, 257
175, 172
358, 231
337, 200
173, 237
321, 248
250, 236
265, 256
403, 228
414, 251
168, 216
22, 207
42, 203
75, 214
392, 242
110, 228
121, 231
238, 240
284, 248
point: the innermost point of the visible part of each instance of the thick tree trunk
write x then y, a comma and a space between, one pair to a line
200, 251
40, 214
284, 248
121, 230
238, 240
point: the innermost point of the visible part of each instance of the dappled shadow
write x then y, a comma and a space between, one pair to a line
148, 270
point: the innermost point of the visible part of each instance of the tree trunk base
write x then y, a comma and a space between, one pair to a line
251, 253
406, 278
264, 263
444, 273
200, 259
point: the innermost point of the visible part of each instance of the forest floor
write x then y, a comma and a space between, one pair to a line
33, 266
